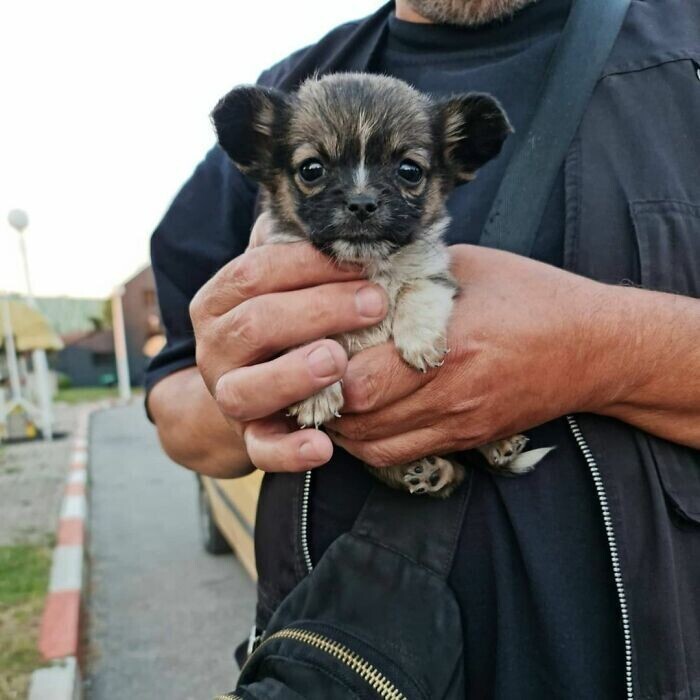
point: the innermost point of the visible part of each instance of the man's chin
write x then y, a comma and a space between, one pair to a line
466, 13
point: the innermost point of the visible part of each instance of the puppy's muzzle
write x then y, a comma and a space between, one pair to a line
363, 206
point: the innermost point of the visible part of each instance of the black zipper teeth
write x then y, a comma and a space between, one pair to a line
612, 546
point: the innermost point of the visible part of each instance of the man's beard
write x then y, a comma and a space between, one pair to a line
466, 12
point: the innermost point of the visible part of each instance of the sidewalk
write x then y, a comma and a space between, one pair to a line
32, 484
163, 616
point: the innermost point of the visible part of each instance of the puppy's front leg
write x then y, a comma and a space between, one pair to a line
420, 321
319, 408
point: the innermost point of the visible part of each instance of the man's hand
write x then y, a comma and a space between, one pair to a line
528, 343
267, 300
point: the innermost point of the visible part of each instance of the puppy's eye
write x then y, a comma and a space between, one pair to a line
311, 170
410, 172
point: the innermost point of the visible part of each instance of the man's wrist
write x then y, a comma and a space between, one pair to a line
192, 430
616, 328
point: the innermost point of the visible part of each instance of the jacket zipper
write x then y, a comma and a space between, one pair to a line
369, 673
609, 532
612, 546
304, 522
229, 696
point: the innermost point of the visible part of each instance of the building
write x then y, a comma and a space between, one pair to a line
87, 358
85, 325
142, 322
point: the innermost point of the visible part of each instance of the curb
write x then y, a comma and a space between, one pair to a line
59, 633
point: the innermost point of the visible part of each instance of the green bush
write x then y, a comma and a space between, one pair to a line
64, 381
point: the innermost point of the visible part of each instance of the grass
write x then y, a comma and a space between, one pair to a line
82, 394
24, 574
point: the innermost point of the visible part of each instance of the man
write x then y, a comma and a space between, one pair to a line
580, 580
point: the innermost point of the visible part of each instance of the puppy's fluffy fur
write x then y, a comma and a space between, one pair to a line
361, 165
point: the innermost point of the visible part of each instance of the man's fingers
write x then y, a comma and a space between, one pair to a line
415, 411
273, 448
377, 377
263, 270
399, 449
252, 392
264, 326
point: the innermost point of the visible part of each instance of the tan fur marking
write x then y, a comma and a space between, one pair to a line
285, 201
302, 153
265, 119
420, 156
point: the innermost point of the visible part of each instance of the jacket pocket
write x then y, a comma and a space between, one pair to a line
679, 473
668, 240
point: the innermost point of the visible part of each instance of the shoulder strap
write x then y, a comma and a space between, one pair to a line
573, 71
427, 529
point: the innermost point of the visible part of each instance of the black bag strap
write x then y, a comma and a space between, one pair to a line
426, 530
423, 529
572, 73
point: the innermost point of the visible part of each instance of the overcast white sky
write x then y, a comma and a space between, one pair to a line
104, 113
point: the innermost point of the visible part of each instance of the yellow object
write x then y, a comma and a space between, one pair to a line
31, 329
234, 502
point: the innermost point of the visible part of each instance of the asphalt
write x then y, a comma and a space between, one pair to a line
163, 616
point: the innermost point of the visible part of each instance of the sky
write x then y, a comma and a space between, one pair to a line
104, 114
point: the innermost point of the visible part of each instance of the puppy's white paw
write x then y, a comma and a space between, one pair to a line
434, 476
420, 323
501, 452
507, 456
422, 350
319, 408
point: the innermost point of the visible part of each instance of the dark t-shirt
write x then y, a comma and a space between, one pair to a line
507, 60
533, 574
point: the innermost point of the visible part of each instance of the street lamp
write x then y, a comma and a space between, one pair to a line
120, 350
18, 219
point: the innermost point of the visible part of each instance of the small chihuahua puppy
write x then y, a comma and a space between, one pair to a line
361, 166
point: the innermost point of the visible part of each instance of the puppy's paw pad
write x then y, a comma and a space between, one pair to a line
434, 476
320, 408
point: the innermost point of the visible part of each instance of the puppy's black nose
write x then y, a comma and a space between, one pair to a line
362, 205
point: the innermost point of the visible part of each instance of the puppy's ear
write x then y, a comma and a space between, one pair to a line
245, 121
473, 128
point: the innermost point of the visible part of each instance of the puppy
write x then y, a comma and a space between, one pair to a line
361, 165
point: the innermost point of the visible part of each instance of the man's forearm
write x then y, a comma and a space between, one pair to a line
650, 354
192, 430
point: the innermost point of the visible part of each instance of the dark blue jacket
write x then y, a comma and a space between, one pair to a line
632, 180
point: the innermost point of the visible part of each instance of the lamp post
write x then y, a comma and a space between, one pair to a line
120, 350
18, 219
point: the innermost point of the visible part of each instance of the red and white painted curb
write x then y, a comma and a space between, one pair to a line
59, 634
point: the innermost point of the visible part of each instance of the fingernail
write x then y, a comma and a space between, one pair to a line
321, 362
308, 453
369, 301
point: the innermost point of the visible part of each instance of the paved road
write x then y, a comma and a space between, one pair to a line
164, 616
